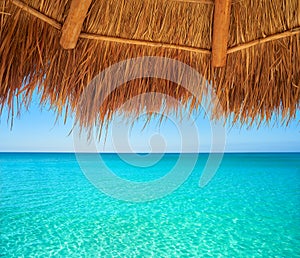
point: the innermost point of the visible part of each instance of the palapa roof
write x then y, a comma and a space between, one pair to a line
248, 50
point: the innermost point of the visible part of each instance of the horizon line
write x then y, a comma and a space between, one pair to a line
73, 152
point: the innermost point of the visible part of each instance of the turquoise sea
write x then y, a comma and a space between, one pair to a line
251, 208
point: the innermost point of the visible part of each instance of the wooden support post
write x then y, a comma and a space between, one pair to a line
73, 23
220, 32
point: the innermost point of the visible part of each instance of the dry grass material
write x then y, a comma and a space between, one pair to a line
261, 77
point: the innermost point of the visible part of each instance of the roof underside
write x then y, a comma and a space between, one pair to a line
261, 76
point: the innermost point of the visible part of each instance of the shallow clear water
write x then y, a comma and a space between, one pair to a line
249, 209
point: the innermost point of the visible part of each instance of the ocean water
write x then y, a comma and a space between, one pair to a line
251, 208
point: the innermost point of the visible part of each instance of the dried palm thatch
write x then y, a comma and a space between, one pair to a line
261, 76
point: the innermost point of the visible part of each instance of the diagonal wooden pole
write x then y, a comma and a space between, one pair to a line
73, 23
220, 32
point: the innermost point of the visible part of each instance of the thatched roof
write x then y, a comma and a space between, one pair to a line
262, 50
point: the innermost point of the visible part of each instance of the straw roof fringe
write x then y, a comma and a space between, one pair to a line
261, 76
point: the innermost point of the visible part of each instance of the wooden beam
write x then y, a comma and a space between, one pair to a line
36, 13
220, 32
73, 23
146, 43
276, 36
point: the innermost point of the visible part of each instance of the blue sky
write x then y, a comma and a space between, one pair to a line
37, 130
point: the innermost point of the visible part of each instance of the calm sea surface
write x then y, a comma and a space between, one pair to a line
251, 208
